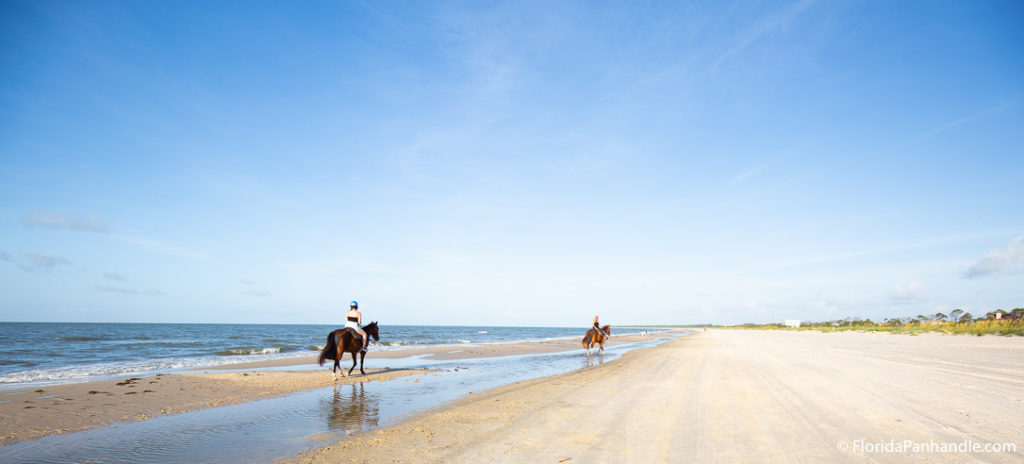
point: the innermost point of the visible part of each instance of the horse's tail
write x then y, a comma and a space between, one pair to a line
329, 348
588, 337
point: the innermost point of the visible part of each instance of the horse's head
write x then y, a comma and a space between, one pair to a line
372, 330
607, 329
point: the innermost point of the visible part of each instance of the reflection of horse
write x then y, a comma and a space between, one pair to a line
593, 337
353, 411
342, 341
591, 361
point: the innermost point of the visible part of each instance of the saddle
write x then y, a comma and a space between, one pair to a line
355, 335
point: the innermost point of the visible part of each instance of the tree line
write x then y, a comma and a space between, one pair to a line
957, 321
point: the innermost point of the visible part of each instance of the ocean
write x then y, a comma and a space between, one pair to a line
33, 353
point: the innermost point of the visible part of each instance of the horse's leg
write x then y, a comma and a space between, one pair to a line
334, 371
354, 360
339, 352
362, 357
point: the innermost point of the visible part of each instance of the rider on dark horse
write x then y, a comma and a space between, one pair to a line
354, 321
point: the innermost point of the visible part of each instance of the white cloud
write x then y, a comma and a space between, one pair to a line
911, 293
70, 221
1008, 259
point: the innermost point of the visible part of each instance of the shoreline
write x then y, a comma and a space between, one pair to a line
99, 371
36, 411
730, 396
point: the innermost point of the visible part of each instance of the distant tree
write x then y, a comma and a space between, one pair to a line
966, 317
955, 314
922, 318
939, 316
1017, 314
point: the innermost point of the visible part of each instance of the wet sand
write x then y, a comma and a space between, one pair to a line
39, 411
733, 396
33, 412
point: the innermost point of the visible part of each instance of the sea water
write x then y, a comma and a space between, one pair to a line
265, 430
40, 353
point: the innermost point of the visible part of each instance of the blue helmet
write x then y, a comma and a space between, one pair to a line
353, 304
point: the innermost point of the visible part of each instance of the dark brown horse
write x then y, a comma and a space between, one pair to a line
342, 341
593, 337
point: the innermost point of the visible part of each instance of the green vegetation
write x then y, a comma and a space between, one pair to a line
957, 322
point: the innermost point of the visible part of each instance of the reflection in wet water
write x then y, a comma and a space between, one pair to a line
352, 410
262, 431
591, 361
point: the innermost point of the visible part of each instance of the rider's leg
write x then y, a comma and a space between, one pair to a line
366, 340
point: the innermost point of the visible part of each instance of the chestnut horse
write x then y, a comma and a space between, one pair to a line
342, 341
594, 337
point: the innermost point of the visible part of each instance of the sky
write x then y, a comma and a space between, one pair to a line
510, 163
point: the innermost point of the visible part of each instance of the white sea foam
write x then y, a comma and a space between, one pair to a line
88, 372
251, 351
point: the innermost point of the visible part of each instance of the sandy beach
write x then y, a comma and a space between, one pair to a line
718, 396
34, 412
736, 396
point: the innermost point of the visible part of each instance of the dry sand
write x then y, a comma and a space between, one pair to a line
733, 396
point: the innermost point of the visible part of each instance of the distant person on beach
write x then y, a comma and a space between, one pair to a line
354, 320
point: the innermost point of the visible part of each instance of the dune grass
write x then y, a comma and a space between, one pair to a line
978, 327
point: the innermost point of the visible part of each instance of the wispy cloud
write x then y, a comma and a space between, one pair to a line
64, 220
162, 247
964, 120
767, 25
894, 248
31, 262
1008, 259
253, 291
128, 291
115, 276
745, 175
911, 293
656, 77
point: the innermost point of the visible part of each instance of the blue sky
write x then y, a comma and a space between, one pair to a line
522, 163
